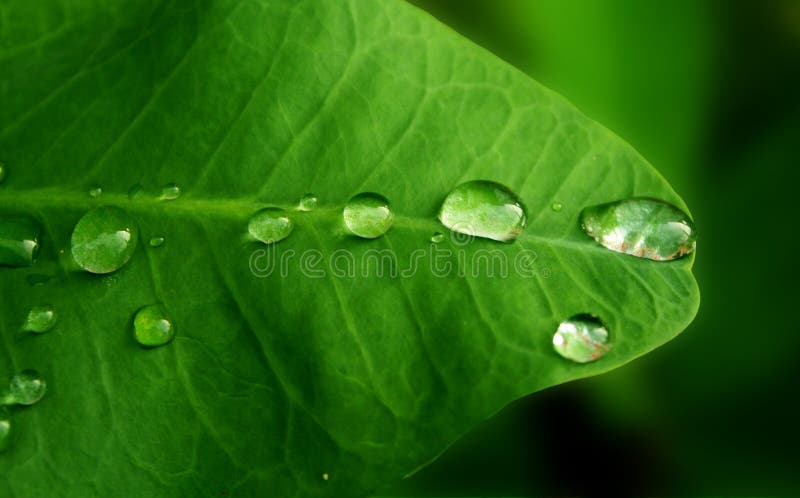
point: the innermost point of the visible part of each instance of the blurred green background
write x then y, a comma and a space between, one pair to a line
709, 92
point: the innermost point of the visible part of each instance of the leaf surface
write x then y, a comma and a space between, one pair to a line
302, 382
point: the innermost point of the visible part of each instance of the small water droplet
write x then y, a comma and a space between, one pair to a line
556, 206
6, 429
642, 227
2, 172
157, 241
484, 209
95, 191
325, 476
307, 203
170, 192
136, 191
368, 215
40, 319
19, 241
152, 327
437, 237
582, 338
270, 225
103, 240
25, 388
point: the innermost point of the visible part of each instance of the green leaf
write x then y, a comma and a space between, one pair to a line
301, 382
646, 71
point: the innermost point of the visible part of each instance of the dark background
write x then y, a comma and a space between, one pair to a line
709, 92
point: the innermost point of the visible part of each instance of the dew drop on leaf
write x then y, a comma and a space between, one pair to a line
641, 227
270, 225
437, 237
484, 209
40, 319
6, 429
26, 388
556, 206
307, 203
152, 327
581, 338
368, 215
157, 241
19, 241
95, 191
103, 240
2, 172
170, 192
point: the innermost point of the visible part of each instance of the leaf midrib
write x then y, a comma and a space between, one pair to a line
241, 209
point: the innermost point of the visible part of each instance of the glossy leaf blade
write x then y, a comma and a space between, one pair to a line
273, 382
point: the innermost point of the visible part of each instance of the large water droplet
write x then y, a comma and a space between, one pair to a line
40, 319
157, 241
307, 203
19, 241
104, 240
25, 388
368, 215
171, 191
95, 191
6, 429
582, 338
135, 192
152, 327
270, 225
484, 209
642, 227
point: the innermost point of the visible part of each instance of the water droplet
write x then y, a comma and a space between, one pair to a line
270, 225
642, 227
104, 240
437, 237
6, 429
368, 215
95, 191
582, 338
152, 327
19, 241
40, 319
157, 241
556, 206
484, 209
170, 192
2, 172
325, 476
25, 388
307, 203
136, 191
